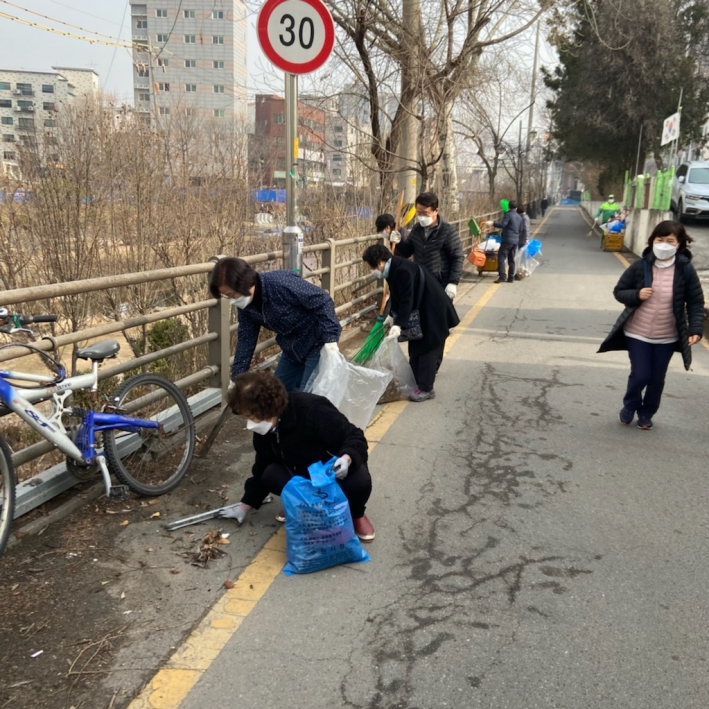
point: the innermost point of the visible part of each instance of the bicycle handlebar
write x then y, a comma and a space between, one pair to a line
6, 315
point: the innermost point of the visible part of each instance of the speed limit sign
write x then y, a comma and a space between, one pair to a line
296, 35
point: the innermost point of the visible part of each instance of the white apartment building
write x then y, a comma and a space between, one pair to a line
195, 61
29, 102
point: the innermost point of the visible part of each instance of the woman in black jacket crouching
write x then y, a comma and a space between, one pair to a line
291, 432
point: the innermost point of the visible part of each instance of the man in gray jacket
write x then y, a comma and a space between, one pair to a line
434, 244
512, 227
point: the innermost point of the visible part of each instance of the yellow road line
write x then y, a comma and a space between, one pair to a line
171, 685
621, 258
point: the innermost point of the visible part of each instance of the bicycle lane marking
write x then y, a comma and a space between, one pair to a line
174, 681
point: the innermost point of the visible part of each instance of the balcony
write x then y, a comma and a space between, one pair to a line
24, 109
23, 92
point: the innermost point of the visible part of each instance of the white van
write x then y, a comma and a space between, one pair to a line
690, 191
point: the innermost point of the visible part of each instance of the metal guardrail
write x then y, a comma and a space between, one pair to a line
334, 275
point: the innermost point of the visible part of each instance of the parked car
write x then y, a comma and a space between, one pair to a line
690, 191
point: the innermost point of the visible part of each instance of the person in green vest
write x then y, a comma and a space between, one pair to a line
607, 210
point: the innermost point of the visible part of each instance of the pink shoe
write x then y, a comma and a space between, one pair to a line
363, 529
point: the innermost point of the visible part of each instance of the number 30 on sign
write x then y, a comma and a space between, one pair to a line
296, 35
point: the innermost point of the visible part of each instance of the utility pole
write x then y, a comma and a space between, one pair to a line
532, 99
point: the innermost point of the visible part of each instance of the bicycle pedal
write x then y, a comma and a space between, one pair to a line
118, 492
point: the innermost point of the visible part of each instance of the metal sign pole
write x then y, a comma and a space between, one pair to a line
292, 235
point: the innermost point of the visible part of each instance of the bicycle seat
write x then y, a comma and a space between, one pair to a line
100, 351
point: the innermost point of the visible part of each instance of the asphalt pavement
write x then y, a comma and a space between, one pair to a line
531, 552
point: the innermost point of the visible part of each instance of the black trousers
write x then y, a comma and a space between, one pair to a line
425, 367
357, 486
505, 256
648, 367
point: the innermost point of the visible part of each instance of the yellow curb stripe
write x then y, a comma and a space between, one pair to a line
170, 686
621, 258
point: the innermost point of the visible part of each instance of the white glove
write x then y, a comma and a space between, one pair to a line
394, 237
451, 290
331, 347
394, 332
388, 321
489, 223
237, 512
342, 466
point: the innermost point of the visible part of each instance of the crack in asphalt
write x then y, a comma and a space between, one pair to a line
463, 597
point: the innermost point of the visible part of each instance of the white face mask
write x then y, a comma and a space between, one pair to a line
425, 221
260, 427
663, 251
242, 301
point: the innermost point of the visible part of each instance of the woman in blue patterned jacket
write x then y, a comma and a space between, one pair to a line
302, 316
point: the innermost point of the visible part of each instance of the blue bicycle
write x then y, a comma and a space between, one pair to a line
146, 427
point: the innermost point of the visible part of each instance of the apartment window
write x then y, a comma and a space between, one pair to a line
188, 14
160, 13
338, 143
163, 62
51, 140
164, 111
218, 89
141, 25
6, 121
191, 88
217, 14
5, 86
337, 157
143, 70
25, 122
8, 155
143, 97
162, 38
217, 39
190, 39
338, 129
26, 89
163, 87
337, 173
8, 138
189, 111
48, 106
279, 119
5, 103
219, 113
27, 105
50, 123
280, 163
217, 64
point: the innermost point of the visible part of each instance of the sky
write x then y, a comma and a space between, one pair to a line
23, 47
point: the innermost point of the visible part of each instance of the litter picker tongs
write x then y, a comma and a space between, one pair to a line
204, 516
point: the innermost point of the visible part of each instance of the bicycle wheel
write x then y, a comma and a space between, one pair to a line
151, 461
7, 493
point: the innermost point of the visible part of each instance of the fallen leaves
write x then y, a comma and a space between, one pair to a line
228, 584
208, 548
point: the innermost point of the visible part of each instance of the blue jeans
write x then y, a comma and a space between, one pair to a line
295, 375
648, 367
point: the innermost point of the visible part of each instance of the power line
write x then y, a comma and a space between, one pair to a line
115, 49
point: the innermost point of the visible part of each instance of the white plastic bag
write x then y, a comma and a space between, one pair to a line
390, 358
526, 265
354, 390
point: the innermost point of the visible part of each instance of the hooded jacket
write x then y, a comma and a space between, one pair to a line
687, 301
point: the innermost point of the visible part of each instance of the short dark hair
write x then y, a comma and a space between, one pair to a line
671, 228
385, 220
258, 395
428, 199
512, 204
232, 272
521, 209
376, 253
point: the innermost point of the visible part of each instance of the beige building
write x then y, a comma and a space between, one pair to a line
196, 60
29, 103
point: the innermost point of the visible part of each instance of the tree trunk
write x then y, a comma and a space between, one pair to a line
449, 169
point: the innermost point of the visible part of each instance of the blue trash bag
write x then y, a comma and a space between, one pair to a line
533, 247
616, 228
319, 529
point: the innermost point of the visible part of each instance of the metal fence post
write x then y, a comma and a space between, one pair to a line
329, 259
219, 351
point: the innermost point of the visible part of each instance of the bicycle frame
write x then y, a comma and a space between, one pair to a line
21, 401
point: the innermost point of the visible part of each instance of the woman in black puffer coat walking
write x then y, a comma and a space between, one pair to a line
664, 314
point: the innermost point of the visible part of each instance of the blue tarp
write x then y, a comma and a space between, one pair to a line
278, 196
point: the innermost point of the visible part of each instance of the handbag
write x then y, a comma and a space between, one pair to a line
413, 330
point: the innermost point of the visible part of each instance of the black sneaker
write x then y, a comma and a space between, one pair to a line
626, 416
644, 423
501, 280
511, 280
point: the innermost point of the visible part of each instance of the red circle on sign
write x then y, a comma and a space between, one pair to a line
275, 58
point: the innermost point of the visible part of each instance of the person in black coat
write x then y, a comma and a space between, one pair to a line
435, 244
413, 287
291, 432
676, 316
